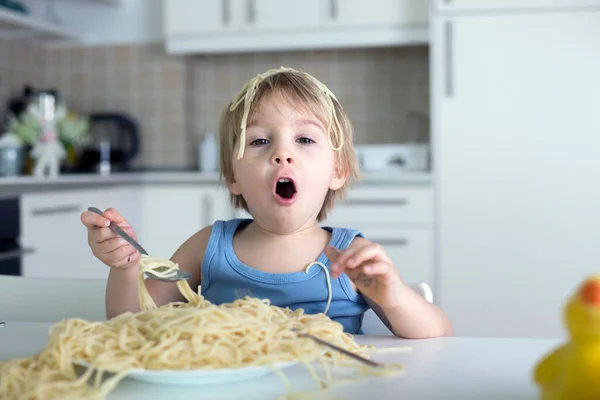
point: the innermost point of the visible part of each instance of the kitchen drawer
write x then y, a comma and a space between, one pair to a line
51, 226
384, 207
411, 251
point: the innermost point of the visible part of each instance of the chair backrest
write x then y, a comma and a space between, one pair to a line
51, 300
372, 325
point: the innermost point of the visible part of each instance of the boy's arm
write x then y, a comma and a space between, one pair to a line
414, 318
406, 313
122, 287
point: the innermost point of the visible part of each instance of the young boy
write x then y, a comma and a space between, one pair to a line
286, 155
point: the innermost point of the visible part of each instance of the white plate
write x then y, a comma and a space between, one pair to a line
199, 376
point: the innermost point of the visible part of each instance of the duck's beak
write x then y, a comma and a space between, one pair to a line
589, 293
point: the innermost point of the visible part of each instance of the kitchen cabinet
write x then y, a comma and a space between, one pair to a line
52, 228
400, 219
171, 213
191, 17
385, 206
376, 13
410, 249
16, 25
515, 133
220, 26
288, 15
498, 5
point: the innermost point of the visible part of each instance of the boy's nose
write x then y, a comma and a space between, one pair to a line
283, 160
283, 156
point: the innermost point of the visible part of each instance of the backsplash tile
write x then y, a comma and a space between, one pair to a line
177, 99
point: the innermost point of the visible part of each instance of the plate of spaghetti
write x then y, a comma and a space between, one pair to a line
202, 376
192, 342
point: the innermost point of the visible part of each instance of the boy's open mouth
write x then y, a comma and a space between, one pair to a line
285, 188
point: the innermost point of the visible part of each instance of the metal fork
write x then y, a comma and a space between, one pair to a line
178, 276
332, 346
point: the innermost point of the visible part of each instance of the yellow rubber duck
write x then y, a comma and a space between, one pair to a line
572, 371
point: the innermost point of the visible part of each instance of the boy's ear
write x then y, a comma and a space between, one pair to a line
234, 187
339, 178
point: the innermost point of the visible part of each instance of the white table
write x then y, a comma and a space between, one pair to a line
443, 368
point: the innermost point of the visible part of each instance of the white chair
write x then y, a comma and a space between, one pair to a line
372, 325
51, 299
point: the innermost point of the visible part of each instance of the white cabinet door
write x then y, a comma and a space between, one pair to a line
516, 138
375, 13
193, 17
384, 206
410, 249
172, 213
51, 226
286, 15
219, 207
495, 5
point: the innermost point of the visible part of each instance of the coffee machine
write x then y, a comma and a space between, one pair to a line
114, 144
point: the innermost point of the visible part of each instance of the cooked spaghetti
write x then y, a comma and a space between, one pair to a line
178, 336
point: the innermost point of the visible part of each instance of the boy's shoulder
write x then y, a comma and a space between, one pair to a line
347, 235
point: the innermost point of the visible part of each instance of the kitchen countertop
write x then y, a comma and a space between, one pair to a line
10, 186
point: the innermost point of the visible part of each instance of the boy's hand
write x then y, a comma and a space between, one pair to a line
107, 246
371, 270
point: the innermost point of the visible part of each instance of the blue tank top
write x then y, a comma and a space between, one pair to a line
225, 278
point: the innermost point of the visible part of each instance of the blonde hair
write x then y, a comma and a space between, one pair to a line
302, 88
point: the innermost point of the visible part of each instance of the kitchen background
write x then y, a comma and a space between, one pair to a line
502, 97
177, 99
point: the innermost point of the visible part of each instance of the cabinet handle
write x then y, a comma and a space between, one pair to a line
38, 212
251, 11
11, 255
226, 12
333, 9
390, 241
377, 202
449, 63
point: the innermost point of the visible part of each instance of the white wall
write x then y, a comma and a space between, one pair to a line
100, 22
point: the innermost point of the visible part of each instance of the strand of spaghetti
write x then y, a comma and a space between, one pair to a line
248, 92
328, 281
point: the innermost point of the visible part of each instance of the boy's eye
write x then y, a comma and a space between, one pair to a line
305, 140
259, 142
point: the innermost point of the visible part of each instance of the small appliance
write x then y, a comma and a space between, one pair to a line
114, 144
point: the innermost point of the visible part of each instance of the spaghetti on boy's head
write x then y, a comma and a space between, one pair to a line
304, 92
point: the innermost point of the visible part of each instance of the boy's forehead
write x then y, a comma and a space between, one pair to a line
287, 106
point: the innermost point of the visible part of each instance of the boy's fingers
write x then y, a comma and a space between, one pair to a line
93, 221
118, 257
377, 268
110, 244
332, 253
114, 216
365, 254
341, 263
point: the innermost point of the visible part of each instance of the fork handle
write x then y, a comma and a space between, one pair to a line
341, 350
116, 229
